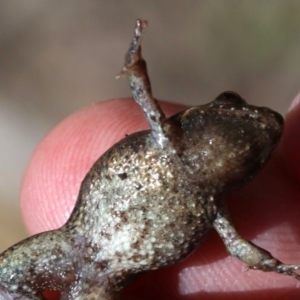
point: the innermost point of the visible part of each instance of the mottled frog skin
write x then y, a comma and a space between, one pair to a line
149, 201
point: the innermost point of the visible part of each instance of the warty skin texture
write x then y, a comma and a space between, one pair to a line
149, 201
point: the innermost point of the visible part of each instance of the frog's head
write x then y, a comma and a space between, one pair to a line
228, 140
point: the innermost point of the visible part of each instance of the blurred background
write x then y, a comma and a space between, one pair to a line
58, 56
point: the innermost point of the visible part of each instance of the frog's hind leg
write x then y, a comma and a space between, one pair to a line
6, 294
46, 261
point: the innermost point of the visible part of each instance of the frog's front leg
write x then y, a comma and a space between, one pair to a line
254, 257
166, 133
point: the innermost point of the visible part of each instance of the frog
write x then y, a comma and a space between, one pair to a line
150, 200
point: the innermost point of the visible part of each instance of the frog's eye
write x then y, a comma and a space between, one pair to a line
229, 98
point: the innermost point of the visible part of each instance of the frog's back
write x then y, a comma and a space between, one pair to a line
133, 204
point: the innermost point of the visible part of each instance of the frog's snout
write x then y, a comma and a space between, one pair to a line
274, 123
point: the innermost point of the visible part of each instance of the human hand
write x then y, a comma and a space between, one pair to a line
266, 211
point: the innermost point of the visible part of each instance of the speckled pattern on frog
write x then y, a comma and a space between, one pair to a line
149, 201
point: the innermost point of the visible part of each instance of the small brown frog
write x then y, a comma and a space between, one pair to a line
149, 201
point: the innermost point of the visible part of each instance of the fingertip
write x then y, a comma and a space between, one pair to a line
52, 180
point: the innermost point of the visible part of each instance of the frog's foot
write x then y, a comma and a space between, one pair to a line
254, 257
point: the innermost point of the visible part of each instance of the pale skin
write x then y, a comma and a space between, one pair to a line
265, 211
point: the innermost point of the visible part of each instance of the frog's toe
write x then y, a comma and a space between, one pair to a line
288, 270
